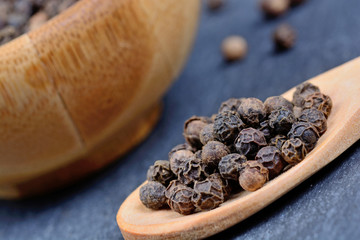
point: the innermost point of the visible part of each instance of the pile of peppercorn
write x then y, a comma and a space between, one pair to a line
244, 145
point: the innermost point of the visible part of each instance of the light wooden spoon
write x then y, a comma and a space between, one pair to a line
342, 84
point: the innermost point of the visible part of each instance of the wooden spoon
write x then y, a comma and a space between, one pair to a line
342, 84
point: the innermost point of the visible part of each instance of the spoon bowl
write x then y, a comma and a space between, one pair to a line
342, 84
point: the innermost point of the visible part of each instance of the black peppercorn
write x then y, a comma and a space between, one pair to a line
183, 146
252, 111
194, 170
293, 151
226, 127
212, 153
179, 197
230, 165
276, 102
306, 132
152, 195
178, 159
160, 172
278, 141
302, 91
297, 112
274, 8
284, 37
315, 117
249, 142
296, 2
210, 193
253, 176
266, 129
270, 157
215, 4
319, 101
281, 120
207, 134
192, 129
231, 104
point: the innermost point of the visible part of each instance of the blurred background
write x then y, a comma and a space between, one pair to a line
326, 206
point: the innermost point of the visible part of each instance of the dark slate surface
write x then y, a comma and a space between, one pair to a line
326, 206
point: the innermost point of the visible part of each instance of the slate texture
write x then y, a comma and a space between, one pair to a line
326, 206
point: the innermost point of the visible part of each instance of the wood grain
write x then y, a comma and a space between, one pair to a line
82, 87
342, 84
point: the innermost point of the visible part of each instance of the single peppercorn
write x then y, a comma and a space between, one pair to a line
212, 153
215, 4
183, 146
194, 170
152, 195
179, 197
252, 111
281, 120
306, 132
284, 37
296, 2
253, 176
276, 102
192, 129
316, 118
266, 129
249, 142
178, 159
160, 172
207, 134
234, 48
293, 151
270, 157
302, 91
274, 8
319, 101
210, 193
227, 125
278, 141
230, 165
231, 104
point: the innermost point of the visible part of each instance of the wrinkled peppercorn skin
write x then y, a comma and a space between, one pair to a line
207, 134
276, 102
183, 146
179, 198
319, 101
302, 91
194, 170
192, 129
293, 151
270, 157
249, 142
212, 153
231, 104
306, 132
152, 195
210, 193
252, 111
278, 141
230, 165
316, 118
253, 176
160, 172
178, 160
226, 126
281, 120
266, 129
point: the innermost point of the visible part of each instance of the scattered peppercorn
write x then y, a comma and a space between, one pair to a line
306, 132
234, 48
296, 2
252, 111
230, 165
274, 8
160, 172
215, 4
249, 142
192, 129
253, 176
270, 157
319, 101
315, 117
179, 197
293, 151
276, 102
227, 125
152, 195
212, 153
302, 91
281, 120
284, 37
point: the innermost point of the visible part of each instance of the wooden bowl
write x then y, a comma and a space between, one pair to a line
85, 87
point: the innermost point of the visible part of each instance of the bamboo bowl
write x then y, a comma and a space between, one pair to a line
85, 87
